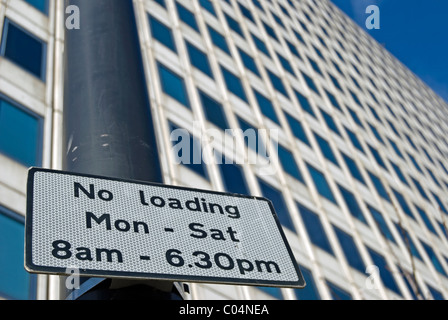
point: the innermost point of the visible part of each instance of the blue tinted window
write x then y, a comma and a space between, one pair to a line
199, 59
285, 63
337, 293
426, 220
353, 168
272, 291
377, 157
251, 137
213, 111
218, 39
310, 83
333, 100
161, 2
399, 173
208, 5
296, 128
376, 133
299, 36
279, 204
187, 150
310, 291
233, 84
187, 16
277, 83
266, 106
407, 240
260, 45
293, 49
270, 31
433, 257
315, 66
162, 33
173, 85
233, 177
248, 62
15, 282
381, 223
288, 163
379, 186
234, 25
355, 117
304, 103
246, 12
385, 271
20, 134
436, 294
397, 150
24, 49
321, 183
440, 203
420, 188
41, 5
352, 204
315, 229
354, 139
330, 122
404, 205
350, 250
326, 149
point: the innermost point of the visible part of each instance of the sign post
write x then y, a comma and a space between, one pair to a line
108, 227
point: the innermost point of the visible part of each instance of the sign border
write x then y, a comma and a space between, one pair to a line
32, 268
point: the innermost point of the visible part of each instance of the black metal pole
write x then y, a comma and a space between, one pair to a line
108, 126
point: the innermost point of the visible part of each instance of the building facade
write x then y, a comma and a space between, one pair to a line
356, 144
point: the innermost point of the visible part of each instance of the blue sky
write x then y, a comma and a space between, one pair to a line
414, 31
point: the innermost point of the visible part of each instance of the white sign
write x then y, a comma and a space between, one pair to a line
130, 229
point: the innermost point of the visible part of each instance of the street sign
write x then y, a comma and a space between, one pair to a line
109, 227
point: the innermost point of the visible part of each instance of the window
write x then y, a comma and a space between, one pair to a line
420, 188
260, 45
233, 84
433, 257
20, 134
41, 5
310, 291
385, 272
315, 229
218, 40
354, 139
234, 25
24, 49
330, 122
407, 240
213, 111
288, 163
333, 100
252, 138
381, 224
379, 186
246, 12
187, 150
350, 250
266, 106
399, 173
208, 5
285, 63
326, 149
272, 291
436, 295
187, 16
277, 83
321, 183
161, 2
270, 31
337, 293
162, 33
426, 220
352, 204
297, 129
309, 81
439, 203
248, 62
377, 157
404, 205
199, 59
173, 85
233, 177
15, 282
355, 117
304, 103
279, 203
353, 168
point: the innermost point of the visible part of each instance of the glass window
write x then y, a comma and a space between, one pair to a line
277, 83
426, 220
381, 223
233, 84
266, 106
233, 177
436, 294
24, 49
208, 5
315, 229
173, 85
350, 250
321, 183
279, 203
218, 40
337, 293
355, 117
297, 129
161, 2
213, 111
251, 137
404, 205
285, 63
270, 31
187, 150
315, 66
333, 100
376, 133
41, 5
379, 186
234, 25
399, 173
385, 272
330, 122
353, 168
272, 291
248, 62
377, 157
20, 134
354, 139
246, 12
260, 45
187, 16
326, 149
288, 163
299, 36
309, 81
407, 240
352, 204
199, 59
15, 282
293, 49
162, 33
433, 257
304, 103
397, 150
310, 291
420, 188
440, 203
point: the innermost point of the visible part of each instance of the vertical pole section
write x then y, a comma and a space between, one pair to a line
108, 127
